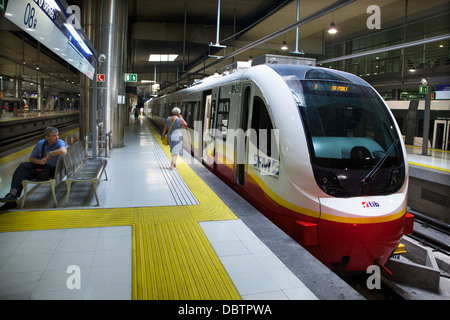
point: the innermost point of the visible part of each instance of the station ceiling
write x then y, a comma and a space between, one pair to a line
158, 27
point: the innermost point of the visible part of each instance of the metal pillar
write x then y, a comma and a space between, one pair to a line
105, 23
89, 22
40, 94
112, 45
426, 120
218, 24
94, 116
297, 31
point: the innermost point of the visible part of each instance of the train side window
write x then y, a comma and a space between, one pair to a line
183, 110
189, 114
263, 127
196, 112
169, 110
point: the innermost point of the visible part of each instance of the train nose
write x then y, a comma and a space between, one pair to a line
356, 246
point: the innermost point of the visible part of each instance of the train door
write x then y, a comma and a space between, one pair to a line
223, 157
241, 143
211, 145
441, 136
208, 126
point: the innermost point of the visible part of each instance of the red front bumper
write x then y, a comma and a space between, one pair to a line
362, 243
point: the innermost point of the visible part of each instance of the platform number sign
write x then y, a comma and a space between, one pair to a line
29, 18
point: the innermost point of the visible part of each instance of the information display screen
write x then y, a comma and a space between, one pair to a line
331, 86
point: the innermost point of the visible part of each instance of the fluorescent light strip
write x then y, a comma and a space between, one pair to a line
77, 37
162, 57
53, 4
73, 32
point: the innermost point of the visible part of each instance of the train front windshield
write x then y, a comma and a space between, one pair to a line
355, 149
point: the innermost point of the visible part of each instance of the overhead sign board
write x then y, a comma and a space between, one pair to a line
48, 22
131, 77
443, 92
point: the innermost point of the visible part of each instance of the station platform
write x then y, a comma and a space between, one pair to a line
436, 159
157, 235
429, 182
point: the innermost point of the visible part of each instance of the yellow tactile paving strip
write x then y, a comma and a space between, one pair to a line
172, 258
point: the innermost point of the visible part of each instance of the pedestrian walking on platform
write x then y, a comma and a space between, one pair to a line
173, 126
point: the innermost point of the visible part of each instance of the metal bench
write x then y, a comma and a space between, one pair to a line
58, 177
79, 168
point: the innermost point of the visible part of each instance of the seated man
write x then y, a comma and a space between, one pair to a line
45, 152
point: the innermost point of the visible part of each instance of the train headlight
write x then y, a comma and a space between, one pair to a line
330, 183
395, 181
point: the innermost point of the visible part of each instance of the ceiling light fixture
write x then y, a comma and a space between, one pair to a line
333, 28
162, 57
284, 46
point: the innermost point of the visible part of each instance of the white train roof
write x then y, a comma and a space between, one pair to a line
289, 68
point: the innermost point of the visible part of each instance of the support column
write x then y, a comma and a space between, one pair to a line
40, 94
18, 92
89, 22
105, 23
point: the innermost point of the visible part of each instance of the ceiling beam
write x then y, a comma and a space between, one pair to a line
385, 49
326, 10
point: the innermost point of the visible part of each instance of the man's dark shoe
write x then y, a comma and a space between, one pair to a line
9, 198
8, 206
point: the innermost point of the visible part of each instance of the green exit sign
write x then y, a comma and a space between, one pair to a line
130, 77
2, 5
423, 89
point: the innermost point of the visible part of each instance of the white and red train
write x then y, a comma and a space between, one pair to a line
316, 150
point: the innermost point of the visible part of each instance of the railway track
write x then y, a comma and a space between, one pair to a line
29, 137
428, 232
431, 232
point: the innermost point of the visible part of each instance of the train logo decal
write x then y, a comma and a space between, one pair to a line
370, 204
266, 165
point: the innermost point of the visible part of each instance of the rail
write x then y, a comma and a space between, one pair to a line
19, 140
431, 232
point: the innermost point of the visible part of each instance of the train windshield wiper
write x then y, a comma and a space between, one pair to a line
377, 167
